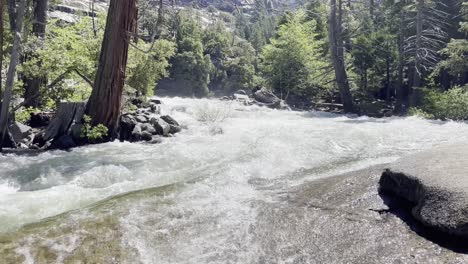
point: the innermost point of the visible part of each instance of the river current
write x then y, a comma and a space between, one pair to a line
193, 198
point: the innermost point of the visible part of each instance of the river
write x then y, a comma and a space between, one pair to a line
195, 197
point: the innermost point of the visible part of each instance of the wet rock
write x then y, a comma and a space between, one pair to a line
148, 128
242, 92
174, 125
146, 136
266, 97
40, 119
155, 108
137, 101
141, 119
155, 140
20, 132
170, 120
241, 97
161, 126
64, 142
127, 124
155, 101
136, 132
436, 182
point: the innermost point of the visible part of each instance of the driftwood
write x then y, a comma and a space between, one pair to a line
67, 115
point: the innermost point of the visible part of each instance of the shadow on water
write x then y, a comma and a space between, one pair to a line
401, 208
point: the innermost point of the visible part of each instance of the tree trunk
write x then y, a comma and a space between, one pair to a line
401, 64
371, 8
1, 45
105, 101
418, 71
15, 55
337, 52
33, 84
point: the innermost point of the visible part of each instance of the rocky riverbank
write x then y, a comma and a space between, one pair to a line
64, 129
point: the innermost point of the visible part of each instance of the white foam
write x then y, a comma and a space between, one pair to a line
255, 152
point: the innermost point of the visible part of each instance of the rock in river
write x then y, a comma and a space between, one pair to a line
436, 182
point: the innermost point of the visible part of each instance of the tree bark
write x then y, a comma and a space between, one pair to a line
1, 45
418, 71
337, 52
32, 84
105, 101
401, 64
15, 55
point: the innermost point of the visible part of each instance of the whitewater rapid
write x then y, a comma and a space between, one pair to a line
192, 198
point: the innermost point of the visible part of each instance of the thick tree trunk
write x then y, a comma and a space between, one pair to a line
105, 101
2, 2
32, 85
15, 55
337, 52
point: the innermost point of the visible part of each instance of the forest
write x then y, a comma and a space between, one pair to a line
377, 58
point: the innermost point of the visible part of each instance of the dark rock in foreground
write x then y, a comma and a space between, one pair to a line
436, 181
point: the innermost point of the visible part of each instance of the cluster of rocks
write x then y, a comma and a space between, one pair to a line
262, 97
147, 123
63, 130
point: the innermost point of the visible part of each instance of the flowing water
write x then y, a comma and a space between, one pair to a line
194, 198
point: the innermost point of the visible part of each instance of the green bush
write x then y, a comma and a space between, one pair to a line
94, 134
24, 114
449, 105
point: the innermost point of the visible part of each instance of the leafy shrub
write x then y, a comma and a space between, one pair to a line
449, 105
94, 134
24, 115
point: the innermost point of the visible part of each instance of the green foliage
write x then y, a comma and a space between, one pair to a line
448, 105
190, 67
24, 114
65, 49
294, 62
145, 69
94, 134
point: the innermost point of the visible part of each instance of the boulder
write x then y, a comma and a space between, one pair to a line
127, 124
146, 136
436, 183
148, 128
136, 132
170, 120
242, 92
141, 119
161, 126
64, 142
266, 97
20, 132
